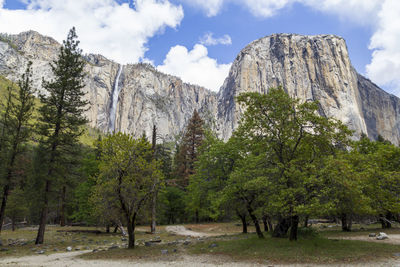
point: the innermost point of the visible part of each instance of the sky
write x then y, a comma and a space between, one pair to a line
198, 40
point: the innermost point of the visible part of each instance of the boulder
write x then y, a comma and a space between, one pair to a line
382, 236
69, 249
372, 235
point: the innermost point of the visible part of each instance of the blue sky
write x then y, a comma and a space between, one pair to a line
168, 33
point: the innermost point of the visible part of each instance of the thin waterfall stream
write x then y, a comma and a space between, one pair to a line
114, 101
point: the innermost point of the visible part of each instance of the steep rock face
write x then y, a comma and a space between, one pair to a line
147, 96
310, 68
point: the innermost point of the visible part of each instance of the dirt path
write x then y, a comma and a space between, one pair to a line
70, 260
181, 230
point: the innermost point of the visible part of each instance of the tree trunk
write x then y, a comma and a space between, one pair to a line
131, 231
6, 191
43, 216
244, 223
264, 219
389, 217
13, 225
131, 234
62, 210
115, 229
306, 221
270, 225
107, 228
281, 228
154, 200
154, 213
293, 228
197, 216
255, 221
121, 227
346, 222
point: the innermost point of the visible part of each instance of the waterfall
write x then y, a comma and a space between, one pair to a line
114, 101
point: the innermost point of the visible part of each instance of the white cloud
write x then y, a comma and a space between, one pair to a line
195, 66
210, 7
385, 65
103, 26
265, 8
208, 39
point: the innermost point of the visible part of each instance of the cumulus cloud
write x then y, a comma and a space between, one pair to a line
208, 39
195, 66
385, 64
210, 7
115, 30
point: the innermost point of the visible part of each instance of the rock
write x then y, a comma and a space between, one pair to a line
186, 243
213, 245
95, 250
77, 249
175, 250
382, 236
164, 251
69, 249
148, 244
55, 249
396, 254
124, 239
308, 67
40, 252
372, 235
4, 249
113, 247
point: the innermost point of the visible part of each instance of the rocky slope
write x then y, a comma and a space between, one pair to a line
146, 96
310, 68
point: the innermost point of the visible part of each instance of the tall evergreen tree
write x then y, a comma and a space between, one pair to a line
61, 115
16, 130
187, 151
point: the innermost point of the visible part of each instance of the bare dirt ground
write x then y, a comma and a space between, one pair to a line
181, 230
70, 260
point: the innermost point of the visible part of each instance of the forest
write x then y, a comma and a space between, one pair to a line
283, 167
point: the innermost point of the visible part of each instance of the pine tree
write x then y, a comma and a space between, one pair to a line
61, 115
16, 130
187, 151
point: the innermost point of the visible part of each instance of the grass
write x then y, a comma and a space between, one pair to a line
59, 241
314, 250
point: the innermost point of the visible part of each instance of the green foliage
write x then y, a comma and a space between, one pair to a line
172, 205
128, 176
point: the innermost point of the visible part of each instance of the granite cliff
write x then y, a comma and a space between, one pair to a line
133, 97
145, 96
310, 68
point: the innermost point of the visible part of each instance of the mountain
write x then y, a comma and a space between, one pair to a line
310, 68
133, 97
145, 96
